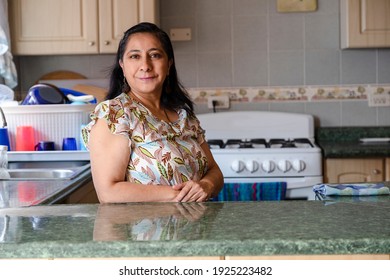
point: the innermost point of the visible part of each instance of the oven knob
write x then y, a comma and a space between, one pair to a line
268, 166
237, 166
284, 165
299, 165
252, 166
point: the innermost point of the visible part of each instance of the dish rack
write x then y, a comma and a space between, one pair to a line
50, 122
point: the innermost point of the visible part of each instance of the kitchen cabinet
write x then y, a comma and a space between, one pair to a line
86, 194
340, 170
44, 27
365, 23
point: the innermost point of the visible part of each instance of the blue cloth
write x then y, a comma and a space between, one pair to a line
252, 191
351, 189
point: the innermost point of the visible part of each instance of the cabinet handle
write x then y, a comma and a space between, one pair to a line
106, 43
375, 171
91, 43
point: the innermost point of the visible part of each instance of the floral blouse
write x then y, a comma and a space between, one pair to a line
161, 153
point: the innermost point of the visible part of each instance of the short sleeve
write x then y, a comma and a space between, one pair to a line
113, 112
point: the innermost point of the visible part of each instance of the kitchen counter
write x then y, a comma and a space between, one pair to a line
214, 229
344, 142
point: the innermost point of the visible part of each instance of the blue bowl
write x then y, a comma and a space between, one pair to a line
40, 94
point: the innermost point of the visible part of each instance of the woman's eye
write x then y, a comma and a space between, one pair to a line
155, 55
134, 56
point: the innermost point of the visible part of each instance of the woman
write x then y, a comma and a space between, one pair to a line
145, 142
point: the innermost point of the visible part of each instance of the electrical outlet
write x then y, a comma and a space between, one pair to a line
379, 100
221, 102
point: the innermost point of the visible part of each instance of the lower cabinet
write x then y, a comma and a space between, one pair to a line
84, 194
350, 170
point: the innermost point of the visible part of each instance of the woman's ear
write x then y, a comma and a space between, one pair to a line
121, 64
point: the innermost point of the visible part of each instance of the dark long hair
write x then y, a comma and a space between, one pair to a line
174, 96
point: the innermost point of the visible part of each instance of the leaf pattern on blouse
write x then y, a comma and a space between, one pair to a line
161, 153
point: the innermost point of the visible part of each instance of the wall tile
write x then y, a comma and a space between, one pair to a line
319, 31
383, 116
182, 22
326, 113
286, 32
286, 68
291, 107
206, 8
358, 66
215, 70
254, 25
187, 69
383, 66
250, 7
358, 114
250, 68
214, 34
322, 67
169, 8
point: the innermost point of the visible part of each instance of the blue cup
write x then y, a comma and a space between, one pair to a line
4, 138
44, 146
69, 144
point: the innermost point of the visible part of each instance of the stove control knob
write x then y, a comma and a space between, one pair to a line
299, 165
268, 166
284, 165
252, 166
238, 166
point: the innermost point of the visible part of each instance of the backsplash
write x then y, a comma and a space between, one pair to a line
332, 106
312, 93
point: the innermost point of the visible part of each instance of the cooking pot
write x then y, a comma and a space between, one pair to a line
45, 94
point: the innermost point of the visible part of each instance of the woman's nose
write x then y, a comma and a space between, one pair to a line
146, 65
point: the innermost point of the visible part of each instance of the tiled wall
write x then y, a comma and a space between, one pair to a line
247, 44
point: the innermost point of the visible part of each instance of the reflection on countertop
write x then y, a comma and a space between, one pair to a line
197, 229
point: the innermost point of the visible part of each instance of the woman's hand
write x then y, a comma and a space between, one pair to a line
192, 191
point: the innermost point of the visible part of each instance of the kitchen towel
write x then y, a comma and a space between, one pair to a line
252, 191
351, 189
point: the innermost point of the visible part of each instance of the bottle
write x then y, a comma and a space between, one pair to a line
4, 174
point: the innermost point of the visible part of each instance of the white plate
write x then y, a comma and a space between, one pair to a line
377, 140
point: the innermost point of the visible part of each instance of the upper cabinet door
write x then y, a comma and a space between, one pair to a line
365, 23
45, 27
54, 27
116, 16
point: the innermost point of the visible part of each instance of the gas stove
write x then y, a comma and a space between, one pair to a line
256, 146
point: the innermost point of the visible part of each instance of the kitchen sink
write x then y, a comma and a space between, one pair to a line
46, 170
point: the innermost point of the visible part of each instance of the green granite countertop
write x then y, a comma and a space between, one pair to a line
345, 142
344, 226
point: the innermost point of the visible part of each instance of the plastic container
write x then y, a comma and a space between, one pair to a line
50, 122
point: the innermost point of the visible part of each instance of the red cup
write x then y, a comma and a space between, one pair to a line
25, 140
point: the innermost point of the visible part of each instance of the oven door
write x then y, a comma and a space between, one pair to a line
297, 188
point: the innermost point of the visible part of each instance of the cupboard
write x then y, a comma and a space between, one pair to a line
340, 170
365, 23
44, 27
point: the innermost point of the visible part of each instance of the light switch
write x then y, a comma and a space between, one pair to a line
180, 34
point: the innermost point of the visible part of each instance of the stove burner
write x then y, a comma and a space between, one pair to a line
259, 143
212, 143
289, 143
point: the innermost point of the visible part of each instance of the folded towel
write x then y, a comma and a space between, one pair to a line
351, 189
252, 191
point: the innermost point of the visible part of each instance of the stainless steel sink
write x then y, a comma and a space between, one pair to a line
46, 170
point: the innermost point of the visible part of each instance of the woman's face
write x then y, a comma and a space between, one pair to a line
145, 64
